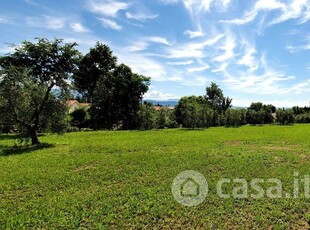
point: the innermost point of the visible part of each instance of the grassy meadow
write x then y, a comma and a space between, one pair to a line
122, 179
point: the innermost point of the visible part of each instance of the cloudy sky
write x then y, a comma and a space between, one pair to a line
255, 50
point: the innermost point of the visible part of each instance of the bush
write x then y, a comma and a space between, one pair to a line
147, 117
193, 112
285, 117
78, 118
235, 117
166, 119
303, 118
258, 113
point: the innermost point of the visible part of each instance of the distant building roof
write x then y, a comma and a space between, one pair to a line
71, 102
157, 108
75, 104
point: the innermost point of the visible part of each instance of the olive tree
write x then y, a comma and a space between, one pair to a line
34, 85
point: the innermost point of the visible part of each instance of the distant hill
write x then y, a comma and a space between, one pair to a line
175, 102
164, 103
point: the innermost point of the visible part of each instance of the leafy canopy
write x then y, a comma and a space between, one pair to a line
34, 85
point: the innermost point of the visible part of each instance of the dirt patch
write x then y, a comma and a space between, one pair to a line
301, 225
281, 148
85, 167
233, 143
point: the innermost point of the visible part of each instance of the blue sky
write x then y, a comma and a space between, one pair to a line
255, 50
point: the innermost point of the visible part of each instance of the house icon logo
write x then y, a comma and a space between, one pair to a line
189, 188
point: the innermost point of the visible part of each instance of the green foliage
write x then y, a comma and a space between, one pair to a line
114, 90
285, 116
94, 66
117, 98
235, 117
258, 113
193, 112
303, 118
166, 119
147, 117
299, 110
78, 118
217, 102
34, 86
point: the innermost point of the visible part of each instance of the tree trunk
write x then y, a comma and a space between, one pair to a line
34, 136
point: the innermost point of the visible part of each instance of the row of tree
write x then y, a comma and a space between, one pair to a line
212, 109
37, 79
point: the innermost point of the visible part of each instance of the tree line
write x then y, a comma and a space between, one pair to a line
39, 77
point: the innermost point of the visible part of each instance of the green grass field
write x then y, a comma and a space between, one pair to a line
122, 179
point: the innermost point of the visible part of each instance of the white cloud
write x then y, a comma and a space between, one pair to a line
140, 16
261, 5
248, 59
30, 2
106, 7
145, 42
269, 5
294, 49
306, 17
110, 24
295, 9
185, 53
143, 65
85, 41
195, 81
222, 5
181, 63
138, 46
156, 70
169, 1
198, 69
49, 22
259, 84
194, 34
200, 5
7, 49
192, 49
159, 40
247, 18
228, 49
292, 11
301, 87
4, 20
158, 95
221, 68
265, 81
78, 27
225, 3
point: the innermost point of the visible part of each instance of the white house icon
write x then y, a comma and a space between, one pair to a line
190, 188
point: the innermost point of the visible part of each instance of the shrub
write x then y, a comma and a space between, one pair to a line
78, 118
193, 112
235, 117
303, 118
285, 117
166, 119
258, 113
147, 117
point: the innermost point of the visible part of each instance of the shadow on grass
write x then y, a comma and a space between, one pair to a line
24, 149
193, 129
8, 137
